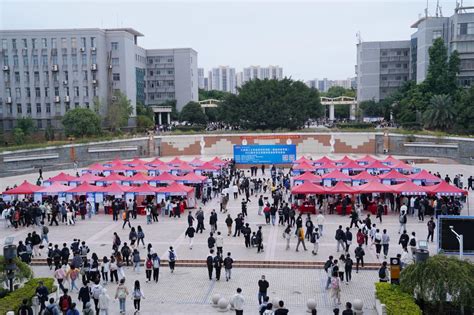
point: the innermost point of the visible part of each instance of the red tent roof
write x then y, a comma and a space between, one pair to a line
139, 177
135, 161
24, 189
156, 162
341, 188
89, 178
337, 175
390, 159
184, 167
196, 162
165, 177
163, 168
352, 165
98, 167
425, 176
377, 165
112, 177
114, 188
367, 159
84, 188
323, 160
62, 177
175, 161
144, 189
303, 159
393, 174
192, 178
326, 165
408, 188
402, 165
217, 161
366, 177
54, 188
446, 189
374, 187
207, 167
304, 166
116, 162
175, 188
344, 160
308, 176
308, 188
139, 168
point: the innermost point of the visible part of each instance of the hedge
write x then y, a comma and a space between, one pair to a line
13, 300
355, 125
396, 301
189, 127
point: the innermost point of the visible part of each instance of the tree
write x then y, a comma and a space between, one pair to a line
271, 104
336, 91
371, 109
49, 133
145, 117
193, 113
465, 109
26, 124
213, 94
81, 122
440, 114
432, 281
118, 112
18, 136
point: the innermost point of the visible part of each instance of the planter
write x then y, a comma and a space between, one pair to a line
380, 308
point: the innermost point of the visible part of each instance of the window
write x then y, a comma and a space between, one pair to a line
55, 76
54, 59
17, 77
63, 43
53, 43
33, 43
48, 108
84, 74
76, 91
38, 108
93, 58
35, 60
115, 61
19, 108
74, 60
18, 92
170, 72
8, 92
87, 105
36, 76
28, 92
399, 65
170, 60
25, 61
37, 92
384, 66
67, 90
398, 78
64, 60
39, 123
44, 43
83, 42
86, 90
150, 60
4, 44
76, 105
5, 60
27, 76
56, 91
84, 59
92, 41
44, 60
437, 34
114, 45
116, 76
25, 43
151, 73
46, 92
66, 75
14, 43
75, 75
28, 108
384, 78
73, 42
95, 91
67, 107
384, 53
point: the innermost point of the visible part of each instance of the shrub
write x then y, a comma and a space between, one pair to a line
412, 126
355, 125
23, 272
396, 301
190, 128
13, 300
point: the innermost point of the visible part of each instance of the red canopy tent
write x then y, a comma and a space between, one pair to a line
395, 176
425, 176
192, 178
308, 188
175, 188
374, 187
207, 167
377, 165
401, 166
323, 160
54, 189
341, 188
138, 178
338, 176
114, 189
304, 167
143, 189
135, 161
24, 189
445, 189
326, 166
352, 165
308, 176
344, 161
391, 160
196, 162
164, 178
409, 188
97, 168
88, 178
156, 162
116, 162
365, 177
114, 177
139, 168
83, 189
164, 168
183, 168
303, 159
62, 177
366, 159
176, 161
217, 161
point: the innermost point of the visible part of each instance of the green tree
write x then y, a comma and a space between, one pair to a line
371, 109
118, 111
49, 133
19, 136
442, 71
432, 281
465, 109
440, 114
193, 113
26, 124
336, 91
144, 123
213, 94
81, 122
272, 104
213, 114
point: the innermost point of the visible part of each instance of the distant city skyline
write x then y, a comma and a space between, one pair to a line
310, 39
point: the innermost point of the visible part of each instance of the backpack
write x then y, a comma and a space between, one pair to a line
45, 230
149, 264
338, 235
313, 238
23, 311
382, 273
118, 241
335, 283
48, 310
96, 291
172, 256
327, 265
64, 303
137, 294
403, 219
413, 242
209, 260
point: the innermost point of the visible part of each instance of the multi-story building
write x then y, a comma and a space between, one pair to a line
258, 72
45, 73
222, 78
201, 78
239, 79
378, 76
324, 84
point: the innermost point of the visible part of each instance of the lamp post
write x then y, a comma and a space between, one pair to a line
460, 239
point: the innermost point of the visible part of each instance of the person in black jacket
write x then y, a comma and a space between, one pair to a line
359, 254
228, 261
42, 294
190, 233
210, 263
259, 240
218, 265
84, 294
211, 241
404, 238
25, 309
247, 231
125, 251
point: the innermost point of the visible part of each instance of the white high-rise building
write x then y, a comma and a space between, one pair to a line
222, 78
201, 78
258, 72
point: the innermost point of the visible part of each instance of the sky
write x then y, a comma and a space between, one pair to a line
309, 39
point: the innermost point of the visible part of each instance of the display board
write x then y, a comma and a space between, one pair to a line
447, 241
265, 154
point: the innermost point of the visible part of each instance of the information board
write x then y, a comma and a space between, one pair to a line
265, 154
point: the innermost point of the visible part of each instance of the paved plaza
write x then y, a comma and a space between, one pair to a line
189, 289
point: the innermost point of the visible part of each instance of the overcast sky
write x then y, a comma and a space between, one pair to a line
309, 39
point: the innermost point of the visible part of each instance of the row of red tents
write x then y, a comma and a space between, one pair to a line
367, 177
406, 188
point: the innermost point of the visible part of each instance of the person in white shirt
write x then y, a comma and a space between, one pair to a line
320, 222
412, 205
238, 301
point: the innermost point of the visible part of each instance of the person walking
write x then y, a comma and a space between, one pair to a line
431, 228
121, 294
328, 268
348, 268
200, 220
228, 223
140, 236
359, 255
84, 294
228, 262
190, 231
380, 210
218, 265
238, 302
247, 232
320, 222
383, 273
136, 260
263, 286
300, 239
95, 293
402, 219
209, 263
385, 243
260, 205
287, 236
190, 219
348, 234
219, 243
156, 267
404, 239
126, 219
335, 288
259, 240
315, 240
413, 242
340, 238
104, 302
172, 257
148, 268
137, 296
378, 242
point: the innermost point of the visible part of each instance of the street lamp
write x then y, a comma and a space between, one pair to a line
460, 239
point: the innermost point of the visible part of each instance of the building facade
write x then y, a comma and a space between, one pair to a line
45, 73
324, 84
262, 73
222, 78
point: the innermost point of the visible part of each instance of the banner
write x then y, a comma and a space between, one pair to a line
265, 154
